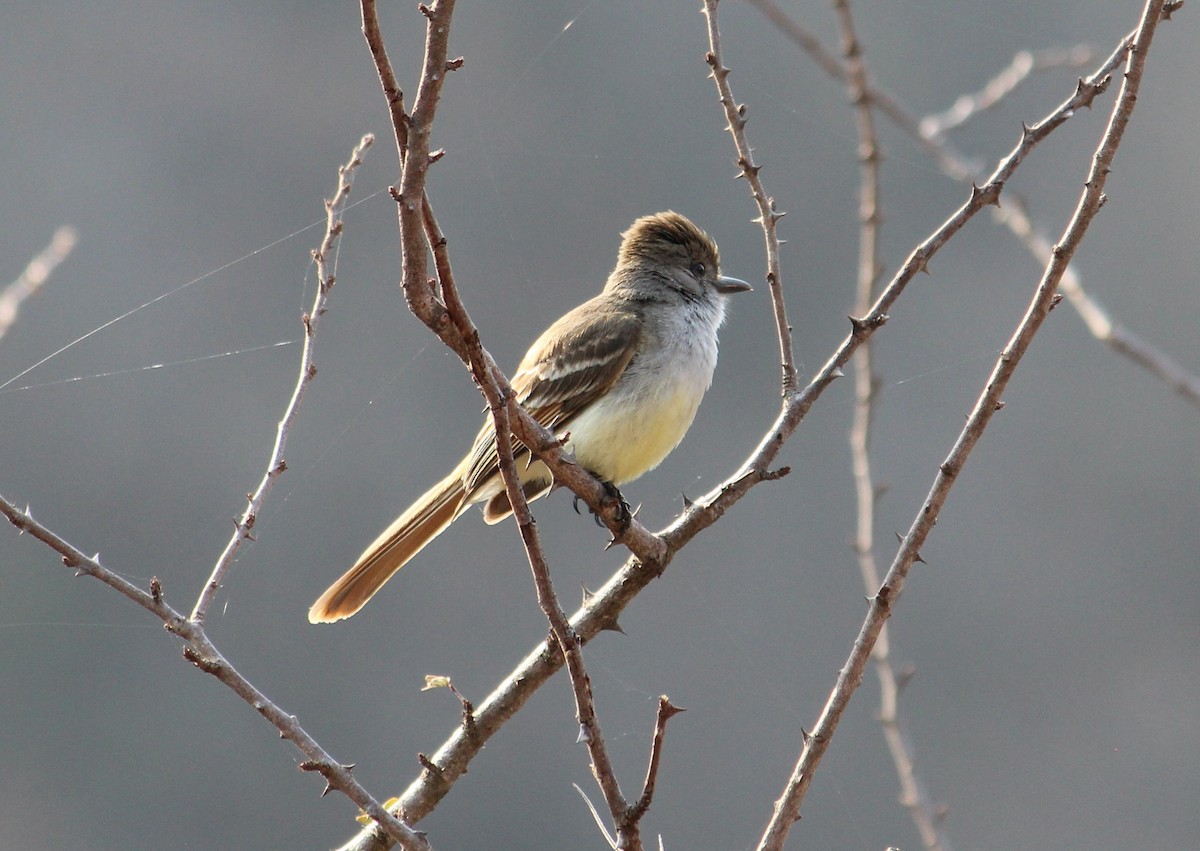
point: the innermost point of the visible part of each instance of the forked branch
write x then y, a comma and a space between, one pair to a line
787, 808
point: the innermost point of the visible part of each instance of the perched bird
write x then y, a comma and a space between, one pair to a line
623, 374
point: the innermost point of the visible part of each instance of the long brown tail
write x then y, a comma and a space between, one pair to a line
421, 523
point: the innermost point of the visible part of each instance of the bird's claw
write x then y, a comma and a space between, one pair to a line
595, 516
624, 515
624, 512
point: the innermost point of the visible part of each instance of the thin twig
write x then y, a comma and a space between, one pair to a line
34, 275
768, 216
866, 384
665, 710
243, 527
387, 77
609, 839
787, 808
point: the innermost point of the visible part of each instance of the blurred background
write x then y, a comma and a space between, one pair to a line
1053, 631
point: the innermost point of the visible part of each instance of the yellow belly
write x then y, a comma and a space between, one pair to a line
620, 439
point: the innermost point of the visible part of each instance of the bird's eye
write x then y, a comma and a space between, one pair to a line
698, 269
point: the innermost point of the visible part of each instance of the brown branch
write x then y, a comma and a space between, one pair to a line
203, 654
243, 527
665, 710
439, 306
768, 217
387, 77
568, 643
412, 140
787, 808
708, 508
504, 409
36, 273
199, 649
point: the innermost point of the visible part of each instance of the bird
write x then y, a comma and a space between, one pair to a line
621, 377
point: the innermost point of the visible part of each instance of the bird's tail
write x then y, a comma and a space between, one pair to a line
421, 523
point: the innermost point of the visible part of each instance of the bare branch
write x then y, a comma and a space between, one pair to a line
504, 407
387, 77
768, 217
787, 808
665, 710
199, 650
707, 509
34, 275
412, 141
441, 308
203, 654
244, 526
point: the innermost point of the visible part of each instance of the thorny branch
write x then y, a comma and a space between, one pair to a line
437, 303
651, 553
503, 406
665, 710
787, 808
768, 216
198, 648
243, 528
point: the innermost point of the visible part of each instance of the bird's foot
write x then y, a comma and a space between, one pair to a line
624, 514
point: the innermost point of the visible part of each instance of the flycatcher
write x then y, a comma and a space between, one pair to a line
623, 374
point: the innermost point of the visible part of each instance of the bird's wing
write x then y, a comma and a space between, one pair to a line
569, 367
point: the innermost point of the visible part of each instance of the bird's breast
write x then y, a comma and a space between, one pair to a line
646, 414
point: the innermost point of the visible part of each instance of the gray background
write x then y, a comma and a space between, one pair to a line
1054, 630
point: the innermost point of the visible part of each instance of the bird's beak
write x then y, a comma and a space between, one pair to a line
726, 285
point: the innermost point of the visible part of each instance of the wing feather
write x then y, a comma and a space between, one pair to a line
577, 360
